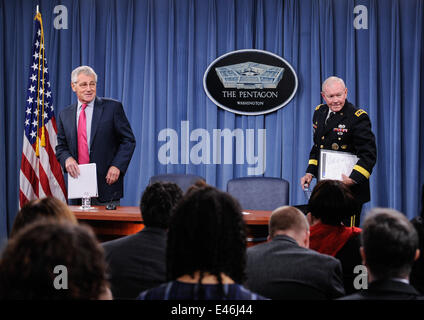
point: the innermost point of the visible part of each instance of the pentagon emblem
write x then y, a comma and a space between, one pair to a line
250, 82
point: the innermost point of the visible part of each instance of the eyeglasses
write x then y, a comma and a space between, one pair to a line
84, 85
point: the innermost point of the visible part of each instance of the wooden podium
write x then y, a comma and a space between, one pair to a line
112, 224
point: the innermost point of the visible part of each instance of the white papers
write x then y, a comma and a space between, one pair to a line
85, 183
332, 164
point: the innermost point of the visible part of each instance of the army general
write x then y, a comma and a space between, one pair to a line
339, 125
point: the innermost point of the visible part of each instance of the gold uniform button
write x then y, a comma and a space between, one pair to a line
321, 146
340, 138
322, 138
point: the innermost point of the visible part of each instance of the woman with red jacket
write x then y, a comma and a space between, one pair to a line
330, 204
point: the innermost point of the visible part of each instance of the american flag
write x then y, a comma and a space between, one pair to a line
41, 174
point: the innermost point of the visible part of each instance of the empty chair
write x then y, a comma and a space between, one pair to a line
184, 181
259, 193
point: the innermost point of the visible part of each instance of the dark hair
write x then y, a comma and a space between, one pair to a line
390, 243
332, 202
27, 266
157, 203
200, 183
207, 234
46, 208
416, 276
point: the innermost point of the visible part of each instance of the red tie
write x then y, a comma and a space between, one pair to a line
83, 156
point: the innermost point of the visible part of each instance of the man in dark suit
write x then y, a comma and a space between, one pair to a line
95, 130
389, 249
284, 267
338, 125
138, 262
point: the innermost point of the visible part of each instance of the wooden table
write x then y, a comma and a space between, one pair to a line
112, 224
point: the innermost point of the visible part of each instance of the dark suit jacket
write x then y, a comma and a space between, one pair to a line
349, 256
270, 265
136, 262
112, 143
386, 290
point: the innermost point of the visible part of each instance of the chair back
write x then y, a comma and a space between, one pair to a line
259, 193
184, 181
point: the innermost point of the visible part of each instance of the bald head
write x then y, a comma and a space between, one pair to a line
289, 221
332, 80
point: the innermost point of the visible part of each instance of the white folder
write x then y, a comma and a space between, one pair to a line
332, 164
85, 183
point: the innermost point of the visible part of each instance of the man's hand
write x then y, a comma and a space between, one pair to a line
71, 166
306, 180
347, 181
112, 175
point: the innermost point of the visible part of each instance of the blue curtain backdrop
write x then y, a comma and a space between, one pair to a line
152, 54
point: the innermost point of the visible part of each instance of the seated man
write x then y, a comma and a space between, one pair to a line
138, 262
284, 267
389, 249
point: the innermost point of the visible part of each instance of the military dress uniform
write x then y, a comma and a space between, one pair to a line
348, 130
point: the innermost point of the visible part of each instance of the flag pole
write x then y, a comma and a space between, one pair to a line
40, 175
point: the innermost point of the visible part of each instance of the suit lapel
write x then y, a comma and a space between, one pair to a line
320, 122
331, 123
97, 115
335, 119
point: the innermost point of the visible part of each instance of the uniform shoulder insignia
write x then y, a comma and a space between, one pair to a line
318, 106
360, 112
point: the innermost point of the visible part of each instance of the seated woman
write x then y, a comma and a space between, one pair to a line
206, 250
331, 202
53, 260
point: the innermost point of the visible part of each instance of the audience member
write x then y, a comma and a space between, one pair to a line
284, 267
50, 260
196, 185
330, 203
45, 208
422, 202
416, 277
389, 247
417, 272
138, 262
206, 250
